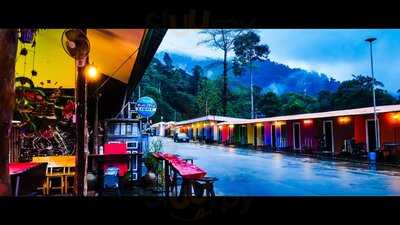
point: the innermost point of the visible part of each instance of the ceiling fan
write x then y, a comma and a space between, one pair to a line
76, 44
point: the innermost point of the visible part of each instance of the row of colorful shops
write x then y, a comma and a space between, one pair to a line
332, 131
206, 128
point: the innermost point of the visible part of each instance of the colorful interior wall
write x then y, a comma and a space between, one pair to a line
343, 129
278, 135
359, 129
389, 127
289, 126
267, 134
250, 134
308, 133
224, 133
260, 136
215, 132
237, 134
243, 134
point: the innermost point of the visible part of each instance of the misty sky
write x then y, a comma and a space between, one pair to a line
336, 52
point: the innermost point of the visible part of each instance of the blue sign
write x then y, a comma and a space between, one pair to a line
146, 107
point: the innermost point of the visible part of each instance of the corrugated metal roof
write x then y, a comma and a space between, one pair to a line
347, 112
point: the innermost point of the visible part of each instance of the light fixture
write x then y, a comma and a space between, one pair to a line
344, 120
307, 121
396, 116
91, 71
231, 126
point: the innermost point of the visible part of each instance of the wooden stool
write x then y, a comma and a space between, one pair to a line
204, 184
55, 173
69, 173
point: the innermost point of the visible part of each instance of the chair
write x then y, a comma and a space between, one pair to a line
53, 173
45, 185
59, 169
69, 172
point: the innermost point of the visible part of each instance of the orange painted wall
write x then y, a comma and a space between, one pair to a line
359, 129
389, 125
342, 131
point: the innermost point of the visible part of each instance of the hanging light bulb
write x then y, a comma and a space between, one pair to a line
91, 71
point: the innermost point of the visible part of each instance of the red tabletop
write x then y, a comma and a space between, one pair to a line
16, 168
186, 170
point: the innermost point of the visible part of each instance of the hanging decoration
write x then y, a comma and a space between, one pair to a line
27, 35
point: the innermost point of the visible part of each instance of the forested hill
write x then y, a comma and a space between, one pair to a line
185, 91
269, 75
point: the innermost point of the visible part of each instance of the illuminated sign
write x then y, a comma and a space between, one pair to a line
146, 107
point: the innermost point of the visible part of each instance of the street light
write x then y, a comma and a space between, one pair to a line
370, 40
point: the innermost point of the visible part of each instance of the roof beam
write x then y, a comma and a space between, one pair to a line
148, 47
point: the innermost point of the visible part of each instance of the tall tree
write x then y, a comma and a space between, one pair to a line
359, 88
8, 51
197, 74
168, 61
222, 39
248, 51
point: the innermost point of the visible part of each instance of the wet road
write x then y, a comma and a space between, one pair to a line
243, 172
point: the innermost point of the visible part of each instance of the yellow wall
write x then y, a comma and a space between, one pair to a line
250, 134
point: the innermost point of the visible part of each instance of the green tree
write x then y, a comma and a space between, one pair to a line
357, 92
208, 99
248, 51
270, 104
168, 61
325, 101
294, 103
222, 39
197, 74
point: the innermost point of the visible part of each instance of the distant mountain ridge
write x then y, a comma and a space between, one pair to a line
269, 75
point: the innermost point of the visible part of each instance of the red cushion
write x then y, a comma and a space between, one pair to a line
116, 148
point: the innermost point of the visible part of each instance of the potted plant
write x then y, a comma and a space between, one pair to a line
152, 164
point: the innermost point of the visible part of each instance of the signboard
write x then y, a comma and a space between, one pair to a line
146, 107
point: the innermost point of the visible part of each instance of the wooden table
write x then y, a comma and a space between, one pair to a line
27, 177
187, 171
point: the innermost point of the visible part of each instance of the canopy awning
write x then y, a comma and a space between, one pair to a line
113, 51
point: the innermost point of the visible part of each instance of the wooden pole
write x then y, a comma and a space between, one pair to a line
8, 51
96, 125
81, 132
